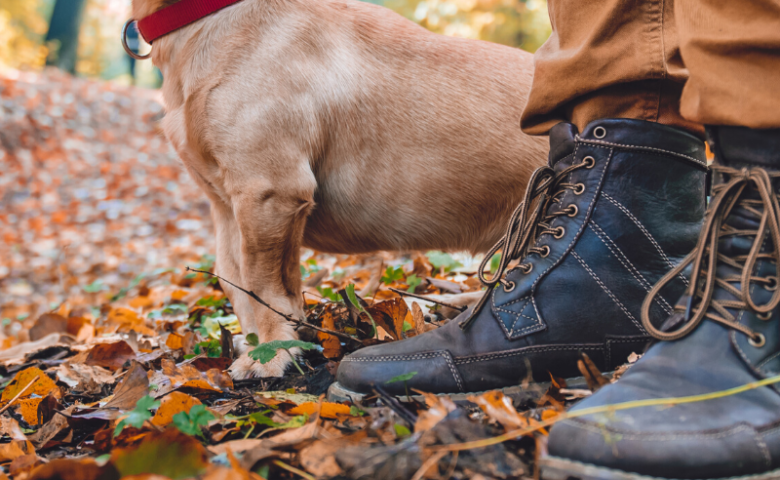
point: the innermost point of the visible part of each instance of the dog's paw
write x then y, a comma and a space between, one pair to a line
244, 367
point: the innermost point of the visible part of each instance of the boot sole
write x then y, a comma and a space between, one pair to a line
554, 468
534, 390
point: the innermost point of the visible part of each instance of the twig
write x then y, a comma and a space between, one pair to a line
294, 470
423, 297
395, 405
21, 392
650, 402
290, 318
430, 462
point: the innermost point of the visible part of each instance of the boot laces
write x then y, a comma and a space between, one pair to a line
706, 257
531, 219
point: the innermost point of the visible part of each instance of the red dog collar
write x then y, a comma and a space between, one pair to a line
178, 15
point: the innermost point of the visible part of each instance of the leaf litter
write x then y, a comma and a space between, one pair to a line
114, 355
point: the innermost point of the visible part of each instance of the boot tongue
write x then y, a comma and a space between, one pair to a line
738, 147
561, 143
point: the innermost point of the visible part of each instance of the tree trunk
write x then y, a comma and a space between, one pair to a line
64, 33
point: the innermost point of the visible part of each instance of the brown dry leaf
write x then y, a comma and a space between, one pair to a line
14, 449
172, 404
84, 378
498, 407
110, 355
319, 459
330, 343
438, 408
329, 410
173, 377
23, 464
391, 315
591, 372
73, 469
16, 355
235, 472
50, 429
47, 324
10, 427
204, 364
43, 386
75, 324
134, 386
418, 318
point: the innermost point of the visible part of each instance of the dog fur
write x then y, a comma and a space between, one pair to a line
341, 126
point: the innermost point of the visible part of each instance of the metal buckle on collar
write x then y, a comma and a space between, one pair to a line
127, 48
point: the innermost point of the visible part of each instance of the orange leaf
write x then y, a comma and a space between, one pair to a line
172, 404
175, 341
140, 302
329, 410
330, 343
179, 295
14, 449
28, 409
110, 355
43, 386
123, 315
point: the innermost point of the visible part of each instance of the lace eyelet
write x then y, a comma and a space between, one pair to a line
599, 132
772, 285
578, 189
757, 342
764, 316
589, 162
526, 271
560, 232
510, 288
546, 251
574, 213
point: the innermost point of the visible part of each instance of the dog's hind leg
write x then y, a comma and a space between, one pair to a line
258, 243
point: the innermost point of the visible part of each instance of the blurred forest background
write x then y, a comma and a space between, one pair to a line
82, 36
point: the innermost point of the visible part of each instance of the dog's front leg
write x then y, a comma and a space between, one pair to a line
258, 242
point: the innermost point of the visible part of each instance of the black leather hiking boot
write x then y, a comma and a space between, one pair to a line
723, 335
617, 207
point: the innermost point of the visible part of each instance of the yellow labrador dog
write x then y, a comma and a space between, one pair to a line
341, 126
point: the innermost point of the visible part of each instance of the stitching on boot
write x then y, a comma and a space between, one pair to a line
540, 322
448, 358
618, 253
645, 232
607, 291
642, 148
522, 351
511, 333
382, 358
659, 437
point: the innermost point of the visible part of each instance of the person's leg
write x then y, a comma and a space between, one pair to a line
726, 333
608, 59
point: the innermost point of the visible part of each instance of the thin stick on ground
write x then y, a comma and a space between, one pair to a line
423, 297
294, 470
21, 392
290, 318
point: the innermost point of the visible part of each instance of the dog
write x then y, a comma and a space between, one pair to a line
340, 126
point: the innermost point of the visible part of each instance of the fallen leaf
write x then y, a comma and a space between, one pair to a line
74, 469
110, 355
169, 453
438, 408
331, 344
50, 429
43, 386
319, 459
329, 410
172, 404
14, 449
47, 324
174, 341
590, 371
498, 407
134, 386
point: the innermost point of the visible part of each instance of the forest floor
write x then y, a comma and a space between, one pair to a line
113, 356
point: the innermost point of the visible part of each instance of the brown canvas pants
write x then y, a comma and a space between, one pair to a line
684, 63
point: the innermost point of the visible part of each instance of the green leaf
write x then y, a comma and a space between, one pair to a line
265, 352
212, 301
94, 287
355, 303
495, 260
392, 275
191, 423
212, 348
442, 260
401, 430
355, 411
137, 416
404, 377
407, 326
413, 280
252, 339
327, 292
